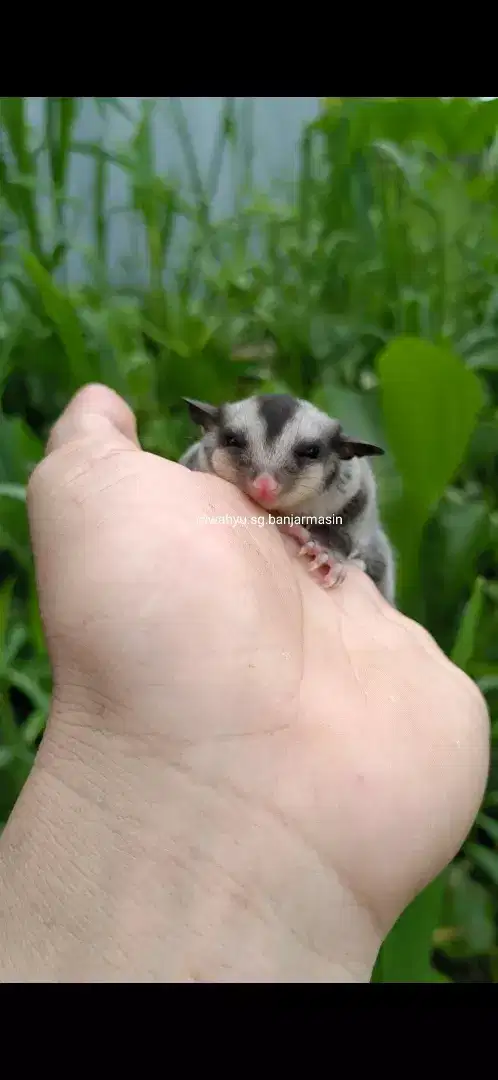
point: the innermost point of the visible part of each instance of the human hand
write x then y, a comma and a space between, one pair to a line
244, 777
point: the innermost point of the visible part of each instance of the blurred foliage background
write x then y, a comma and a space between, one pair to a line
369, 286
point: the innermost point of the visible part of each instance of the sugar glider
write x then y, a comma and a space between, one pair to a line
300, 466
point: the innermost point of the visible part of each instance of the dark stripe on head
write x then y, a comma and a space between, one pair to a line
276, 410
352, 510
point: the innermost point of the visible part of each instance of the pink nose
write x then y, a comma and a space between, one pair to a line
265, 487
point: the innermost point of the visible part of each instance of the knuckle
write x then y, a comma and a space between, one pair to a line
66, 467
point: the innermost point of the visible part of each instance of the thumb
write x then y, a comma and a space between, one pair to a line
96, 424
96, 413
92, 446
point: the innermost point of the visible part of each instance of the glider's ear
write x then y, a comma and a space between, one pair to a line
349, 448
206, 416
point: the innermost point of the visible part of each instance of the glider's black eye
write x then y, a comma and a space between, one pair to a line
231, 438
308, 451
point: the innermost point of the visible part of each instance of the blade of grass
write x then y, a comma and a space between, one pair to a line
29, 687
18, 195
463, 649
226, 132
60, 116
5, 605
190, 156
99, 207
63, 315
485, 859
13, 491
490, 825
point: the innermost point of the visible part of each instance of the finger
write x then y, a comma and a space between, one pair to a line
96, 412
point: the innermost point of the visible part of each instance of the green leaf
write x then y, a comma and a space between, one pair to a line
465, 528
13, 491
453, 544
30, 688
14, 643
473, 911
12, 541
34, 725
406, 953
34, 617
361, 416
18, 760
5, 604
17, 192
60, 114
20, 451
489, 825
485, 859
463, 649
63, 315
483, 448
488, 683
430, 402
14, 533
487, 361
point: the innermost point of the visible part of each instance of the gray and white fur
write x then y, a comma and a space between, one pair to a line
321, 473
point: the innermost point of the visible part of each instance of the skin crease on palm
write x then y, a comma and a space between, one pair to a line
244, 777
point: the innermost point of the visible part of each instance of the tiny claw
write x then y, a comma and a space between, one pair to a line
320, 556
321, 559
310, 547
335, 576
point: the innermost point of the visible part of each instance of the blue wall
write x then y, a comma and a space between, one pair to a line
272, 124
